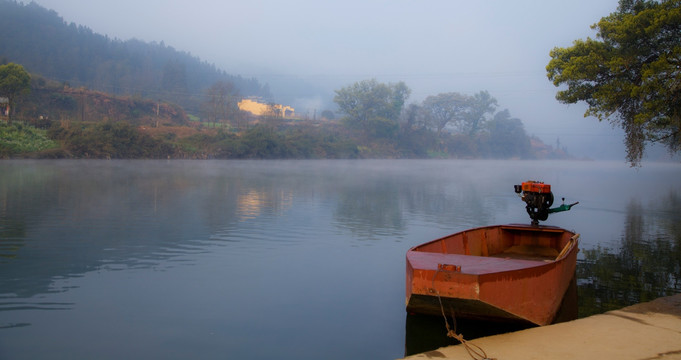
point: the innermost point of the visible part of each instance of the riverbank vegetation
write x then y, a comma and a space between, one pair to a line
56, 121
121, 140
85, 95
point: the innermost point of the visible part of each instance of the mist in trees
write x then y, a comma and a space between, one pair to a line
629, 75
74, 55
445, 110
221, 104
446, 124
372, 107
377, 118
506, 137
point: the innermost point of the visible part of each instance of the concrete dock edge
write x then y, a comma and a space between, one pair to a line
650, 330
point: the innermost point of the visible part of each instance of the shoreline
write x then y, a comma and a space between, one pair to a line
650, 330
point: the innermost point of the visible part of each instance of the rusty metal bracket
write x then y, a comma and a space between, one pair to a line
449, 267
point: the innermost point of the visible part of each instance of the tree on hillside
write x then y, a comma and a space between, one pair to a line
372, 107
328, 115
630, 74
480, 105
42, 41
507, 137
174, 80
446, 109
221, 103
14, 82
413, 118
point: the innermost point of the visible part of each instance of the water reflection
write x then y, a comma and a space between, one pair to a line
64, 220
377, 202
289, 254
645, 266
380, 205
12, 233
426, 333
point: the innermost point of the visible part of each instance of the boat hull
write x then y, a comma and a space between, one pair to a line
507, 272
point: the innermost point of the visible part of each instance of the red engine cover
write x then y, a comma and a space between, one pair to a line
536, 187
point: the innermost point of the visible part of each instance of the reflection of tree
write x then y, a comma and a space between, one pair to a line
59, 220
455, 204
17, 188
647, 266
370, 210
371, 207
12, 233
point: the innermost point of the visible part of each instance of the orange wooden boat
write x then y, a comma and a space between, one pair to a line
503, 272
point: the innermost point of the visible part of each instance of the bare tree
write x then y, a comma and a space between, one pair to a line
221, 104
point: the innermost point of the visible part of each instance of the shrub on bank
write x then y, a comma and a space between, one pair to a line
109, 140
17, 139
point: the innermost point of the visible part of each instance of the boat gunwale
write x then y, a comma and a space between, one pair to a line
521, 227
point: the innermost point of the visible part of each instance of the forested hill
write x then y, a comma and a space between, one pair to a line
45, 44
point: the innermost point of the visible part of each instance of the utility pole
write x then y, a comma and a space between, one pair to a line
82, 103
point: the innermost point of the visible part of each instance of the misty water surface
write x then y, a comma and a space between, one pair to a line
290, 259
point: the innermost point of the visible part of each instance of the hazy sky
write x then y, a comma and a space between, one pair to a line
434, 46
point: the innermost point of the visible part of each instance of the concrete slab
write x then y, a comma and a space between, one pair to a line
647, 331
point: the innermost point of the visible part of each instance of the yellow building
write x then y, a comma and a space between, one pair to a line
257, 108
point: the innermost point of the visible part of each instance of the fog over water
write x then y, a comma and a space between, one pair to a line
434, 47
289, 259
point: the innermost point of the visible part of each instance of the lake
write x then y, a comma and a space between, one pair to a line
289, 259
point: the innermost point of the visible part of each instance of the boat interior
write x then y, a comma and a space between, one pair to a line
512, 242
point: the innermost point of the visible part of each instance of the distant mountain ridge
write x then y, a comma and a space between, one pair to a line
41, 41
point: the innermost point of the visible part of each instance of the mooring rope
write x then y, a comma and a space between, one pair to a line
475, 351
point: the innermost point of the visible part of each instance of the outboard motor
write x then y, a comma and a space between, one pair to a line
539, 198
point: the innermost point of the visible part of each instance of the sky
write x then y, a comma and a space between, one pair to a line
434, 46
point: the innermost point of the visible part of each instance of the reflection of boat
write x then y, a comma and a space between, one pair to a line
424, 333
504, 272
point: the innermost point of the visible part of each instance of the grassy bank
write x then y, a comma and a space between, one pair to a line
17, 139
